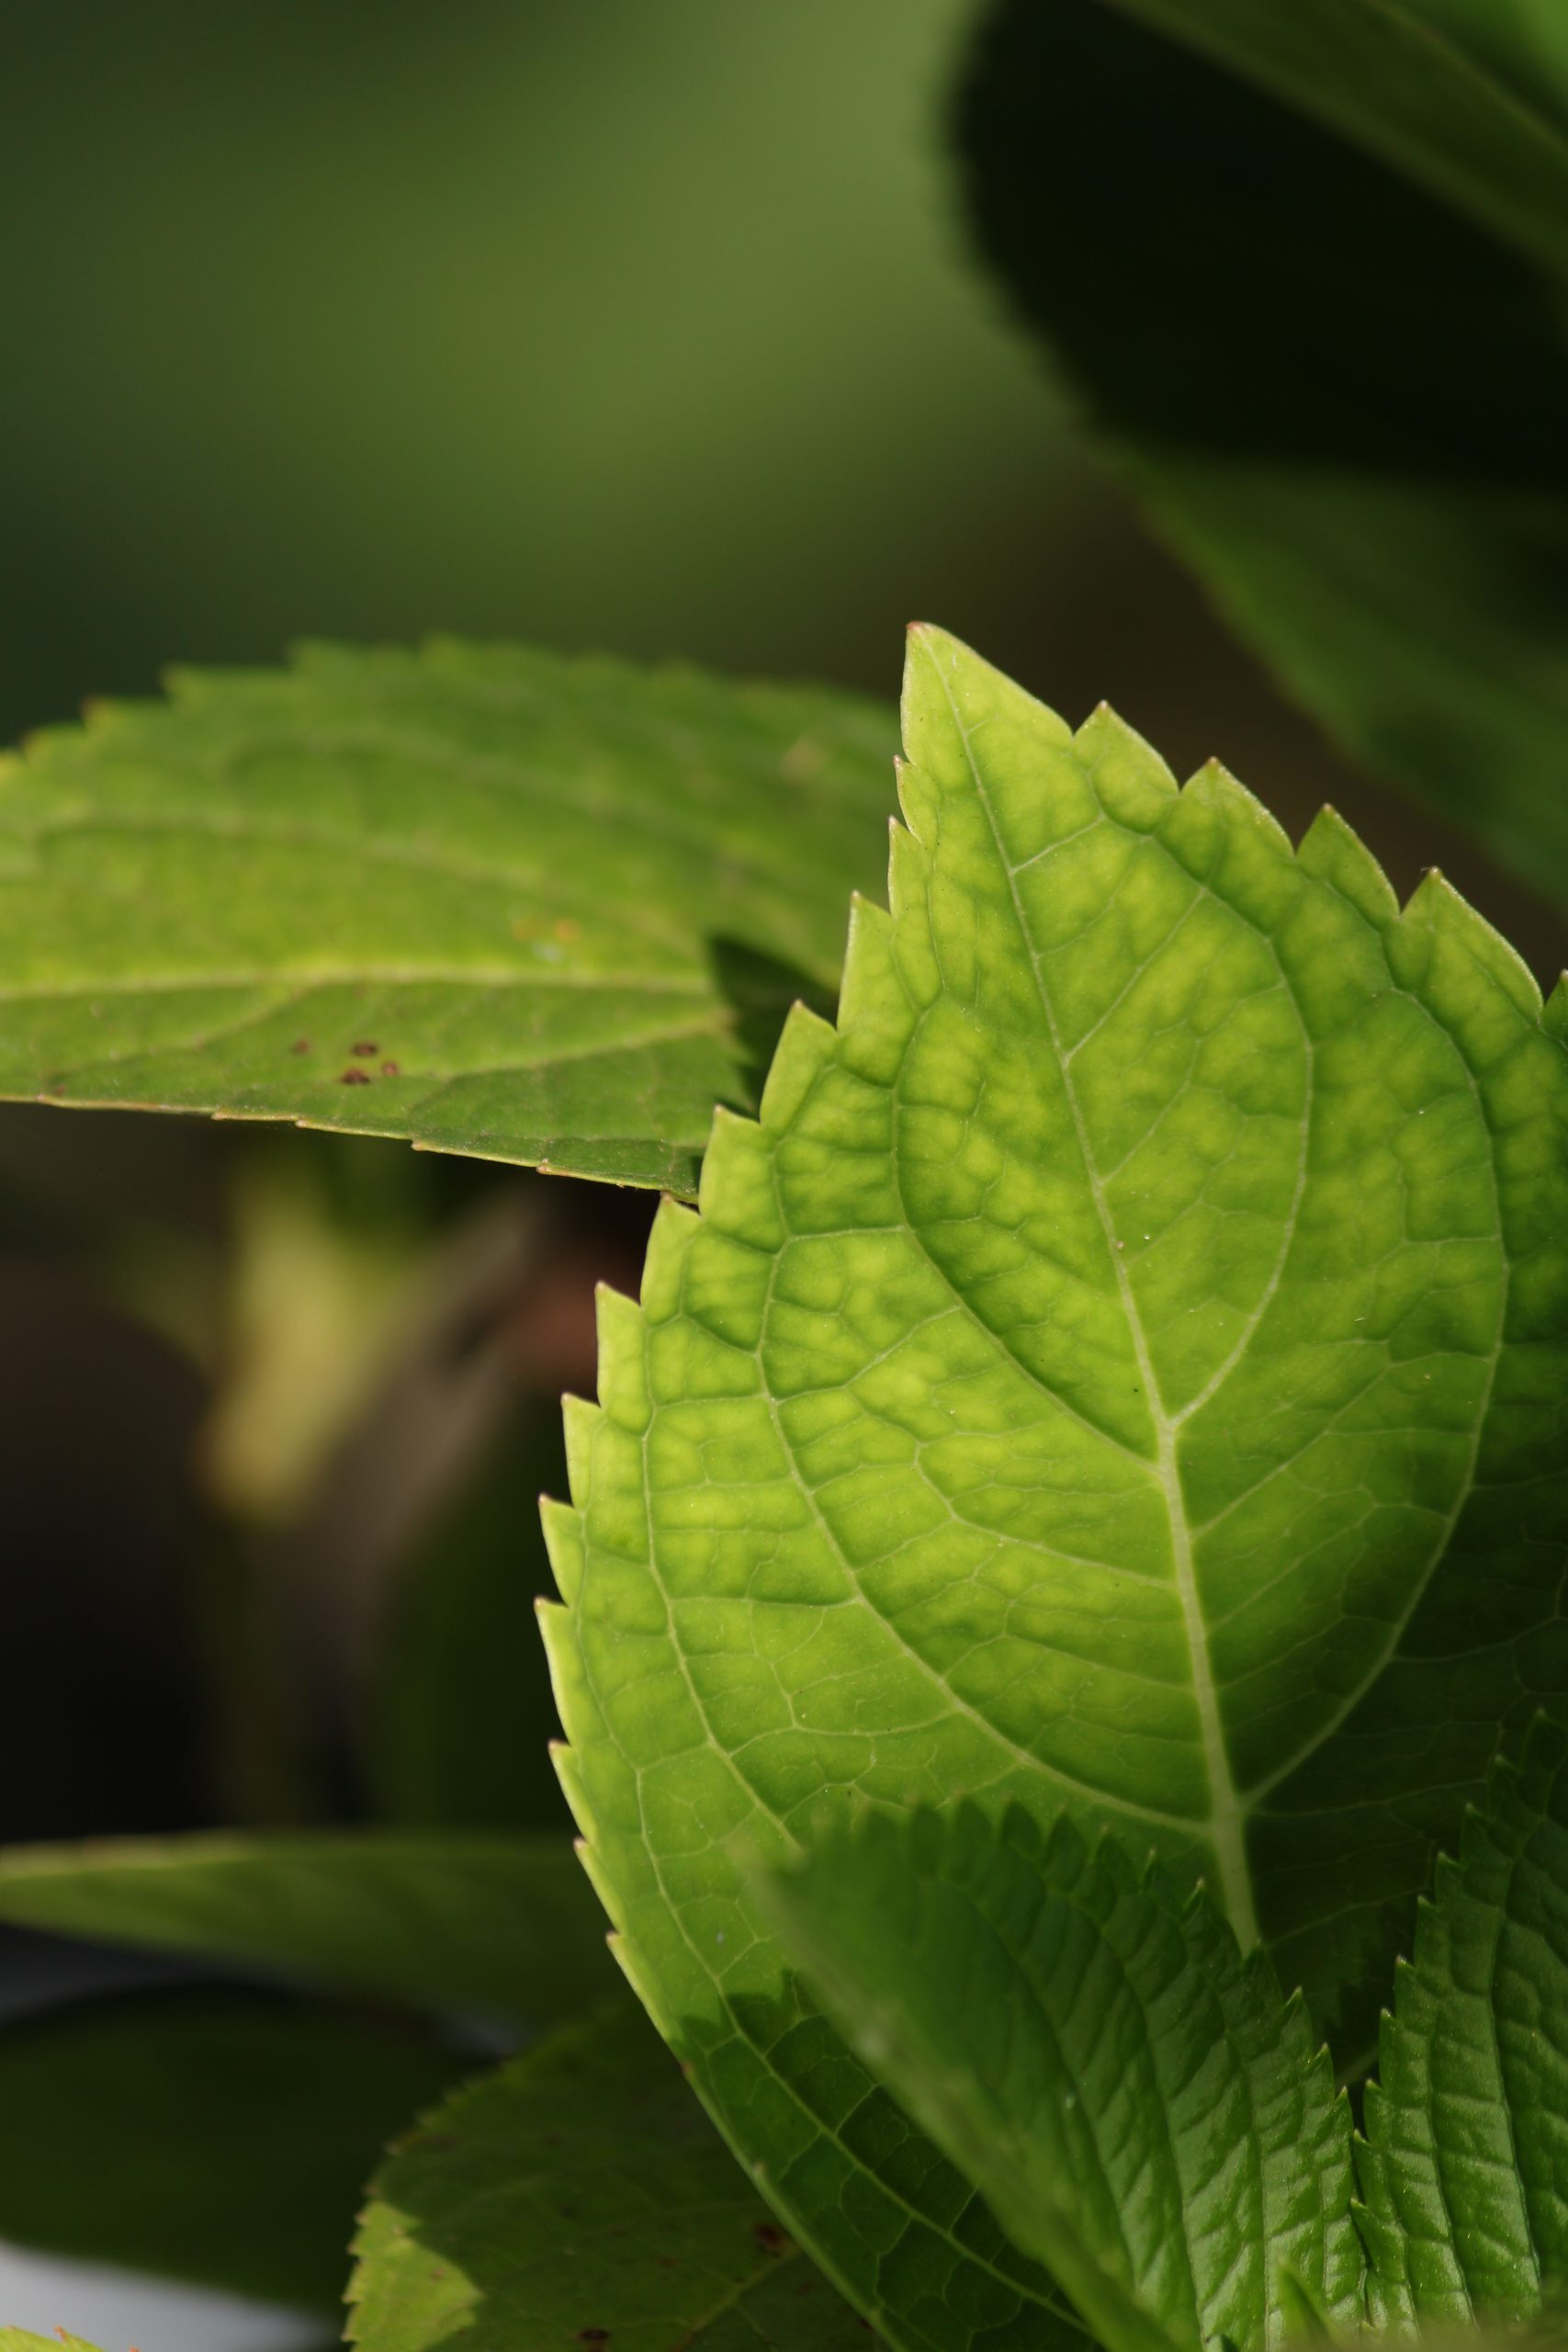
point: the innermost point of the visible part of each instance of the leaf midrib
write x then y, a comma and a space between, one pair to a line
1226, 1819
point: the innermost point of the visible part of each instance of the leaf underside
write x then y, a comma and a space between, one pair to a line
1123, 1369
449, 1920
580, 2195
1311, 302
1142, 2110
489, 900
1462, 2174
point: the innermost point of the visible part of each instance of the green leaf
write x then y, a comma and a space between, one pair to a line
1121, 1370
220, 2137
1140, 2108
17, 2339
579, 2195
1338, 395
1462, 2171
1382, 74
449, 1920
491, 902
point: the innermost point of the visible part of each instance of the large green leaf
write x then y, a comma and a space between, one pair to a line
579, 2195
220, 2137
1339, 393
448, 1920
1467, 2201
1141, 2108
1124, 1368
488, 900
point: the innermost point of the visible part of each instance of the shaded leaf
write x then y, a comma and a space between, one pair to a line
1339, 396
478, 898
1142, 2110
459, 1712
222, 2137
1463, 2172
454, 1919
1384, 76
579, 2196
1125, 1369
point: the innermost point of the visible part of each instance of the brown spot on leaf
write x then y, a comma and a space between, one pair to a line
388, 1069
355, 1078
300, 1045
769, 2236
365, 1048
593, 2336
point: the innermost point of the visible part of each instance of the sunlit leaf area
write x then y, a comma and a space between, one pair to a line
783, 1176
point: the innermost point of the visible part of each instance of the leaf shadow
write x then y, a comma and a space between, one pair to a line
760, 989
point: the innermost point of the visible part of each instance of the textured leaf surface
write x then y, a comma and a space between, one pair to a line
1336, 387
1467, 2125
489, 900
447, 1919
1123, 1369
223, 2138
1140, 2107
580, 2195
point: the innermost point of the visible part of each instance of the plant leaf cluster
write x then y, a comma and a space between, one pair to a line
1067, 1533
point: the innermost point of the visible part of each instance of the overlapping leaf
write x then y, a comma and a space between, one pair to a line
1143, 2111
1306, 263
1125, 1369
448, 1920
579, 2195
1467, 2125
494, 902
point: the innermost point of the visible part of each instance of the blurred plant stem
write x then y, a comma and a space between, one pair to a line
365, 1356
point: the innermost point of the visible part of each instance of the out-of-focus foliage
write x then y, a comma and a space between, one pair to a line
507, 1925
223, 2137
1318, 306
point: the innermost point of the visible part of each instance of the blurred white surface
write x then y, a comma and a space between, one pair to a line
116, 2310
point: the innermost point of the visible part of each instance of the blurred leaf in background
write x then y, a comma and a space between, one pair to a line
1318, 310
223, 2136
